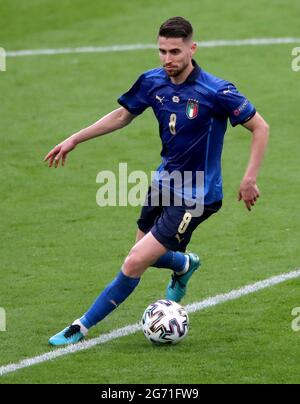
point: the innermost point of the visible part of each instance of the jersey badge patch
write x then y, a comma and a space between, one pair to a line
192, 108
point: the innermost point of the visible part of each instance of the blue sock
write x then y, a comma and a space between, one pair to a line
172, 260
113, 295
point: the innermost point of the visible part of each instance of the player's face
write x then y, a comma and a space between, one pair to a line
175, 54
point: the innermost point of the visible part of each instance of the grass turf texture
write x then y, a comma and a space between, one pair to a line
59, 249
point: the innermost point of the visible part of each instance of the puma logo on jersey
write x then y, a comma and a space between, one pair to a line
180, 239
160, 99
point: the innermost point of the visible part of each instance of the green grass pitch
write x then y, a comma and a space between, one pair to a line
59, 248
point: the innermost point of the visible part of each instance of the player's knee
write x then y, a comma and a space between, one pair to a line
133, 264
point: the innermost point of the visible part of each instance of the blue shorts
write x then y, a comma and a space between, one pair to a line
173, 226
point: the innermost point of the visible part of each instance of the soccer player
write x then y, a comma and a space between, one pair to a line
192, 108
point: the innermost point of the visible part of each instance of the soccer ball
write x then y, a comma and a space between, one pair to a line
165, 322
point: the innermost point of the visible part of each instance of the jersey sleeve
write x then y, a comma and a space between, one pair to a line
135, 100
230, 103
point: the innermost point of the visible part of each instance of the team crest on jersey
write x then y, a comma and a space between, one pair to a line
192, 108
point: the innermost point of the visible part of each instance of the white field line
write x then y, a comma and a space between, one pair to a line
133, 47
131, 329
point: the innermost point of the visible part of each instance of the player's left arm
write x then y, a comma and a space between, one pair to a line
249, 191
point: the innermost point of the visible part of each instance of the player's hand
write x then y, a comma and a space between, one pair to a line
249, 193
59, 152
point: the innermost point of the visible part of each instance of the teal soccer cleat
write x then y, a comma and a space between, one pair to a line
177, 286
70, 335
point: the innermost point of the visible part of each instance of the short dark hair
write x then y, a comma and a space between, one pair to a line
176, 27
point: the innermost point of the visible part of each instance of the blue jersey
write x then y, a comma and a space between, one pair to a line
192, 119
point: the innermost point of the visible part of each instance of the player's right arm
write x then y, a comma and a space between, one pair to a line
116, 119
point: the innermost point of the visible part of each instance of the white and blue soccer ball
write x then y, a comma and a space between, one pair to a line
165, 322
